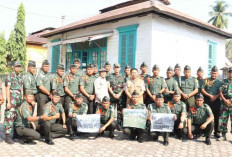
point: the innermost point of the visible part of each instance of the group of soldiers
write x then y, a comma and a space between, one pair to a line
200, 105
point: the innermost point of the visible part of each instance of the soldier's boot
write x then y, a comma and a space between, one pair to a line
216, 135
111, 135
50, 142
8, 139
71, 137
184, 137
207, 141
224, 137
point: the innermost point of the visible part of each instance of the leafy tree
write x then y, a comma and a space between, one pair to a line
2, 54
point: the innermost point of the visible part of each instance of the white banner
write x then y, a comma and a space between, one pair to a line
89, 123
162, 122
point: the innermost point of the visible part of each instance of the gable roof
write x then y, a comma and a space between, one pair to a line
135, 10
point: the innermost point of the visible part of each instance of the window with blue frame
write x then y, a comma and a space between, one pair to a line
55, 56
212, 55
127, 45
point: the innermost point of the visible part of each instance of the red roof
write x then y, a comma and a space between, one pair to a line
144, 7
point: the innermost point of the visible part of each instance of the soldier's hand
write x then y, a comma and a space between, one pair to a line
175, 118
91, 97
43, 117
102, 129
116, 96
203, 126
33, 103
185, 96
8, 106
190, 135
228, 102
181, 125
64, 126
74, 115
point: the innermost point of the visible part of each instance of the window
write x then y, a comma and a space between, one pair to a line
103, 58
212, 55
127, 45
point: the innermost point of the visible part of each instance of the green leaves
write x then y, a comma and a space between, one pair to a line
2, 54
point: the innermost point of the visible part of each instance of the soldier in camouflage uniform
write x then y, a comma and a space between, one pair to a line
107, 66
188, 87
200, 120
79, 72
29, 79
158, 107
172, 85
226, 108
155, 84
78, 107
14, 95
210, 89
127, 76
95, 71
2, 94
87, 88
143, 76
177, 76
43, 82
201, 81
116, 81
127, 72
106, 112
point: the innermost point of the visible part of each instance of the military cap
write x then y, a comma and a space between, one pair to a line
60, 66
170, 69
79, 95
135, 93
73, 66
55, 93
229, 69
107, 63
214, 69
159, 95
31, 63
176, 92
187, 67
17, 63
143, 64
199, 96
77, 60
105, 99
116, 65
95, 65
102, 70
127, 67
200, 69
89, 66
45, 62
29, 92
177, 66
155, 67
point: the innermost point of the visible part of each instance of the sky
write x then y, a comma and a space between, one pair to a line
47, 13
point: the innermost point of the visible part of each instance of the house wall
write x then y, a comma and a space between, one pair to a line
174, 42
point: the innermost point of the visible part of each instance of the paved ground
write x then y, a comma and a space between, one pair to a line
120, 146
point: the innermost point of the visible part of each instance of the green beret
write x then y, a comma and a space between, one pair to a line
105, 99
29, 92
143, 65
127, 67
176, 92
155, 67
199, 96
135, 93
31, 63
116, 65
77, 60
102, 70
89, 66
159, 95
107, 63
79, 95
45, 62
73, 66
17, 63
214, 69
60, 67
95, 65
170, 69
200, 69
187, 67
55, 93
177, 66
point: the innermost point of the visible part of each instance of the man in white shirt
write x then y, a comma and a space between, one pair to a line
101, 87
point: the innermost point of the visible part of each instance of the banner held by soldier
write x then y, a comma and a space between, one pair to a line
89, 123
162, 122
134, 118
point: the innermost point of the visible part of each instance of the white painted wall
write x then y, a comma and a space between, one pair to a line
174, 42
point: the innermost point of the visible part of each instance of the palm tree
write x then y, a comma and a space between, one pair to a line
219, 14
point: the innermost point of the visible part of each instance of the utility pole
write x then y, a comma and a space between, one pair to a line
62, 18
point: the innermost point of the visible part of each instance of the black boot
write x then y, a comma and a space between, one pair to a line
166, 143
71, 137
50, 142
8, 139
216, 135
207, 141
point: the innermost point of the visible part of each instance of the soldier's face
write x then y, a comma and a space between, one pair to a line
176, 98
79, 101
169, 74
107, 67
95, 70
230, 75
155, 72
102, 74
60, 72
127, 72
135, 99
214, 75
134, 74
199, 102
200, 74
45, 68
187, 73
29, 98
106, 105
17, 69
55, 99
89, 71
144, 69
73, 70
78, 64
117, 70
177, 71
31, 70
159, 101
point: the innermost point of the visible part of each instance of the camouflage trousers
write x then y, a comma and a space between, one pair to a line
10, 114
224, 116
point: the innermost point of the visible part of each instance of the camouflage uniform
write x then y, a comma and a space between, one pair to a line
16, 84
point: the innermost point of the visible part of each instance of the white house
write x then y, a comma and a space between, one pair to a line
137, 31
